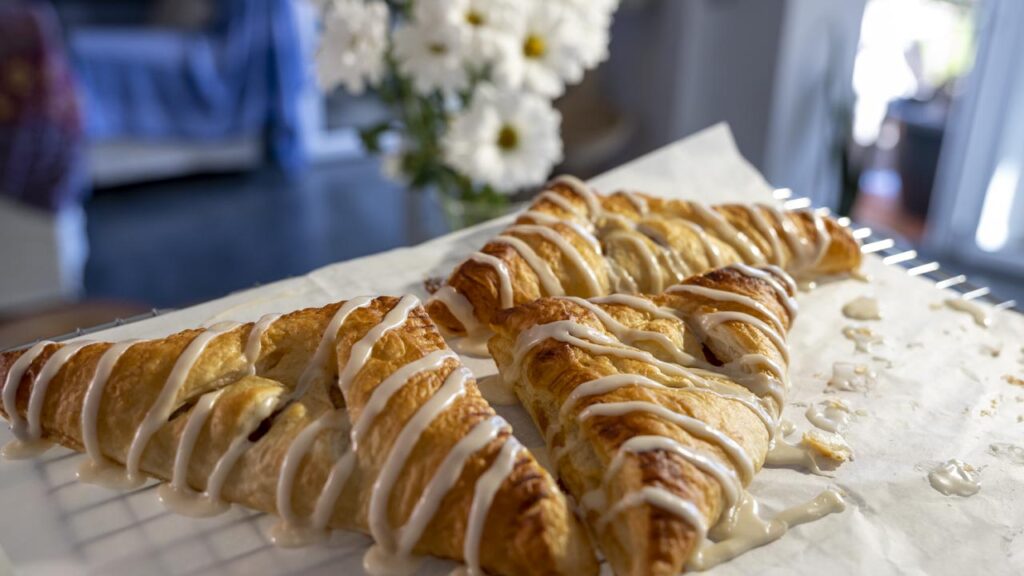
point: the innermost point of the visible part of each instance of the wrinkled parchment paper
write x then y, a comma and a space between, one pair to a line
940, 393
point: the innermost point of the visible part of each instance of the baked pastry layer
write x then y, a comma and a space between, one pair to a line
657, 410
353, 416
572, 241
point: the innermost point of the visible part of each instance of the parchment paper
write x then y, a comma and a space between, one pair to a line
940, 393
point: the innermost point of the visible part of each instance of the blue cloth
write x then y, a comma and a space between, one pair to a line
240, 78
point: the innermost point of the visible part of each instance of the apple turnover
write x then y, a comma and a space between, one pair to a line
574, 242
353, 416
659, 410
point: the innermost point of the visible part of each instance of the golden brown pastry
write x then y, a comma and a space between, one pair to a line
657, 410
574, 242
353, 416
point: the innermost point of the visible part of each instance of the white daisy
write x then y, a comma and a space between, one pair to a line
506, 139
490, 26
594, 18
355, 38
431, 56
550, 49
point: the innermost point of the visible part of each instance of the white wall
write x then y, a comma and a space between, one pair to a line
42, 255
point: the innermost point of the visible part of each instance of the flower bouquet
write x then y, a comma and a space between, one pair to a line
470, 85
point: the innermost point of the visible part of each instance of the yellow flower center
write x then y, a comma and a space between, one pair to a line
508, 138
437, 48
474, 18
534, 47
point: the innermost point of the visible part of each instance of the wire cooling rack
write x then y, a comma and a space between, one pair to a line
893, 253
132, 533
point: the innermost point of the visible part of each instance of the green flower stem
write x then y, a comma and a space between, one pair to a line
422, 120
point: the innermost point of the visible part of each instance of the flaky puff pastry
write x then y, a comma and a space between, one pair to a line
657, 410
353, 416
572, 241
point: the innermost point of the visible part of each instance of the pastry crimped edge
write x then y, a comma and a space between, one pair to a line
527, 527
646, 539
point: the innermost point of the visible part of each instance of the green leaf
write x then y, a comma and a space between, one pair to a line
370, 136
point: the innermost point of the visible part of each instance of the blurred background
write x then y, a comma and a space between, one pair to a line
158, 153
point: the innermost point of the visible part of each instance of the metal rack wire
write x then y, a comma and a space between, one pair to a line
131, 532
893, 254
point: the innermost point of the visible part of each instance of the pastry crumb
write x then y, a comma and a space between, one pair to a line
829, 445
992, 350
433, 284
1011, 379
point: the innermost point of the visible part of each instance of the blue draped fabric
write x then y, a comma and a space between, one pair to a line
240, 78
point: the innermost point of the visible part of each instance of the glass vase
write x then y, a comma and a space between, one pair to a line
463, 210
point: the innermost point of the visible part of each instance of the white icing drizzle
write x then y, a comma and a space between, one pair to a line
782, 454
727, 296
659, 498
505, 293
650, 261
822, 239
186, 444
604, 385
600, 343
241, 443
711, 250
163, 406
832, 415
462, 309
325, 347
297, 451
710, 320
731, 487
748, 530
798, 245
484, 491
50, 369
638, 302
558, 200
743, 244
361, 350
549, 281
981, 315
383, 392
567, 248
694, 427
454, 386
13, 383
743, 372
379, 562
766, 230
631, 335
862, 308
254, 343
954, 477
584, 192
621, 280
850, 377
97, 469
331, 491
863, 338
546, 219
639, 203
444, 479
774, 277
